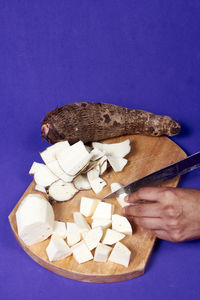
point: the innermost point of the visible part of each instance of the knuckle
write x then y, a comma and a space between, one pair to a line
168, 195
172, 211
176, 236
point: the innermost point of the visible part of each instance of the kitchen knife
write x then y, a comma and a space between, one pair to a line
181, 167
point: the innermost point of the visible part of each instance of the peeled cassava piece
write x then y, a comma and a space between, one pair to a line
35, 219
98, 121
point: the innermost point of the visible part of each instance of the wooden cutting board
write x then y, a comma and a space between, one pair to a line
147, 154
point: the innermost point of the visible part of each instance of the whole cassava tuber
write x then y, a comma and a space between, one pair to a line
89, 122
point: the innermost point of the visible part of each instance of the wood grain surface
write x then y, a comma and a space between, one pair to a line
147, 154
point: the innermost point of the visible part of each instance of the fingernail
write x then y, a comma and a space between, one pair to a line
126, 198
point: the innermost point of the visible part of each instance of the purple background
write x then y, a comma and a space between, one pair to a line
140, 54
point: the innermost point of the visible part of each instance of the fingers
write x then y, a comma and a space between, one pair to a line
149, 223
143, 210
147, 194
161, 234
159, 210
167, 235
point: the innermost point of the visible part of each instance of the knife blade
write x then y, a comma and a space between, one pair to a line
179, 168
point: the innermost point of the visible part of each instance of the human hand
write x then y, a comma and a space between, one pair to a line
171, 214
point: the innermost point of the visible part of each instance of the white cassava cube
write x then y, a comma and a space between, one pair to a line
104, 223
111, 237
35, 219
102, 252
93, 237
81, 252
57, 249
73, 233
88, 206
60, 229
120, 254
121, 224
81, 222
103, 210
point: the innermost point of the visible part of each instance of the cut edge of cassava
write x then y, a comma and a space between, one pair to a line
120, 149
81, 182
96, 182
61, 191
88, 177
73, 158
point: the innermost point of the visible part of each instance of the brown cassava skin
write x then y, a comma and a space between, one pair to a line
89, 122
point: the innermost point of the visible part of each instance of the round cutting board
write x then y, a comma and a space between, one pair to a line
147, 155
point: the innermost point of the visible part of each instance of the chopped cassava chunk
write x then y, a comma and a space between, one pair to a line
102, 252
49, 154
81, 182
88, 206
34, 167
62, 191
58, 171
121, 224
43, 176
103, 164
73, 233
111, 237
81, 222
96, 182
93, 237
120, 255
115, 149
60, 229
35, 219
49, 158
81, 252
104, 223
40, 188
103, 210
96, 154
73, 158
117, 163
57, 249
